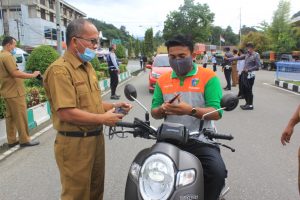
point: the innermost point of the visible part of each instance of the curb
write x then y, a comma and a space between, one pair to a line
288, 86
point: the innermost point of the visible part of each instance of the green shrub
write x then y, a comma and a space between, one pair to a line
123, 68
2, 108
40, 58
120, 51
96, 64
35, 96
100, 75
124, 61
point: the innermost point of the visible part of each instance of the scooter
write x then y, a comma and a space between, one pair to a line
164, 171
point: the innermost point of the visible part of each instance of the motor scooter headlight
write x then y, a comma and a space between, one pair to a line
157, 177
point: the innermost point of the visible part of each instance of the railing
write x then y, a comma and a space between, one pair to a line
288, 71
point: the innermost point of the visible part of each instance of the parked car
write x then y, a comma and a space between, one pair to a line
159, 66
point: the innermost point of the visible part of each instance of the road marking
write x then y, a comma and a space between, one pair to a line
279, 88
39, 133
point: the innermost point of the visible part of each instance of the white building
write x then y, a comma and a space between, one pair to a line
33, 22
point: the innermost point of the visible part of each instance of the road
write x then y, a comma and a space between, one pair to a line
261, 168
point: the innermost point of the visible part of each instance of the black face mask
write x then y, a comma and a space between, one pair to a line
181, 66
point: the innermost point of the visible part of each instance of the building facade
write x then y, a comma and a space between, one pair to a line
33, 22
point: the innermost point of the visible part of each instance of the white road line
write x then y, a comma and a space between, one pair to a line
279, 88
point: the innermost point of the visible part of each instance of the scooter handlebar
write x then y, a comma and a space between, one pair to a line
218, 136
126, 124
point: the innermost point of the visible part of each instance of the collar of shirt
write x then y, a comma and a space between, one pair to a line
75, 61
191, 73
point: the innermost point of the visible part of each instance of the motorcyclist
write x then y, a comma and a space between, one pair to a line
200, 92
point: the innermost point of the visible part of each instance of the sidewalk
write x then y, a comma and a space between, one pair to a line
39, 116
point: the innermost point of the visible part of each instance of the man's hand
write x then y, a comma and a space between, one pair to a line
125, 106
180, 108
110, 118
286, 135
36, 73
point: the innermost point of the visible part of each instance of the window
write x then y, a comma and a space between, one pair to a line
43, 13
51, 4
51, 15
54, 35
47, 33
43, 2
62, 36
65, 22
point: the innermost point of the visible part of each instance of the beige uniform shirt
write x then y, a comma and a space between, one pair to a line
9, 86
71, 84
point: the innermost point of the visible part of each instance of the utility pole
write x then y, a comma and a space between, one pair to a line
58, 32
240, 26
17, 21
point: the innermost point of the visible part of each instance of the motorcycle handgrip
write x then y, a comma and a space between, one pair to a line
126, 124
219, 136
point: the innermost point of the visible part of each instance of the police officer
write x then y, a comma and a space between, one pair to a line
13, 92
79, 114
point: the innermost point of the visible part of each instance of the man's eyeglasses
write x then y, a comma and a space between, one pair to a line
93, 40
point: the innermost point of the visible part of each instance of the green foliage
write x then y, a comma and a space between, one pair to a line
40, 58
124, 61
96, 64
261, 41
130, 49
280, 30
158, 40
137, 48
2, 108
148, 42
120, 51
192, 18
111, 32
35, 96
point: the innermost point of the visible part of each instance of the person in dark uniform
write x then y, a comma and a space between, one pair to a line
78, 114
113, 69
226, 67
13, 91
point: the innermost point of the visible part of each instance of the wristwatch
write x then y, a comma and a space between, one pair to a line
194, 111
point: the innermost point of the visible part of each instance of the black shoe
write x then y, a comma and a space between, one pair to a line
247, 107
114, 97
118, 95
13, 144
30, 144
241, 97
243, 106
227, 89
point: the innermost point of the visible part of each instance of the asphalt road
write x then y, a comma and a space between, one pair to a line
260, 169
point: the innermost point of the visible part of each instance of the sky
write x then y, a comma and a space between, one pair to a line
138, 15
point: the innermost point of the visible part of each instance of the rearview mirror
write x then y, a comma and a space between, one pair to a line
229, 102
130, 92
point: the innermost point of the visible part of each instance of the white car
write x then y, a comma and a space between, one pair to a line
21, 58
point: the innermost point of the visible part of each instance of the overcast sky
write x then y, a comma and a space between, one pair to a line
138, 15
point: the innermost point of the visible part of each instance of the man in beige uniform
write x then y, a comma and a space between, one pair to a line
287, 134
79, 114
13, 92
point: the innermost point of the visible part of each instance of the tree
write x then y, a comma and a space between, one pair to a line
245, 30
230, 37
260, 40
158, 40
120, 51
192, 19
148, 42
280, 30
137, 47
130, 48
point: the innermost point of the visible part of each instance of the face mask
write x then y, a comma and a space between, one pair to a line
87, 55
181, 66
14, 51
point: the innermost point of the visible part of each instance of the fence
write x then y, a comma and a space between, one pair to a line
288, 71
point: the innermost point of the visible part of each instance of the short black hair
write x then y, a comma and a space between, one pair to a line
235, 51
242, 51
180, 40
75, 29
226, 48
250, 45
8, 40
110, 49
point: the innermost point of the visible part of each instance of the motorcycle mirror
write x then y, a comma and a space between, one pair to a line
229, 102
130, 92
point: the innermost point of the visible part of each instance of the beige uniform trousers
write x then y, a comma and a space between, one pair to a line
234, 75
81, 162
16, 119
299, 170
